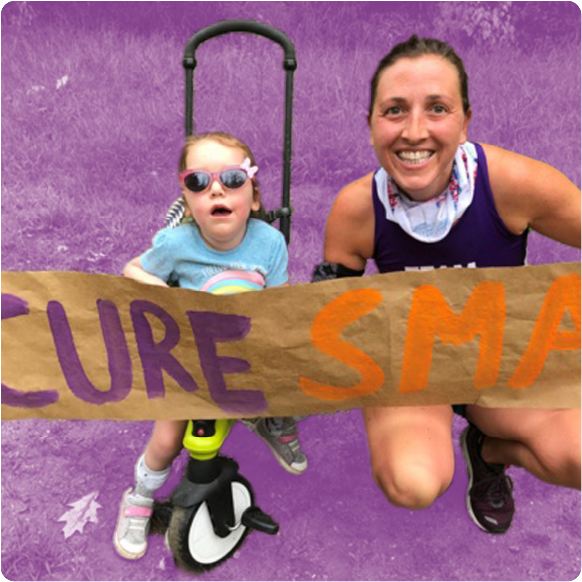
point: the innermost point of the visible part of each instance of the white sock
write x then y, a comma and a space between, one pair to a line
148, 481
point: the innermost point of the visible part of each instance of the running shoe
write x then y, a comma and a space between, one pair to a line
489, 493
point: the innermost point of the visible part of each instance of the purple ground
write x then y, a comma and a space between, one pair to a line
524, 66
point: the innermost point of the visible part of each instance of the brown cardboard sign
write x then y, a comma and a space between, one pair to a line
86, 346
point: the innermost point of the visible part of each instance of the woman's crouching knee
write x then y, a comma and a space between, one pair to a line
411, 487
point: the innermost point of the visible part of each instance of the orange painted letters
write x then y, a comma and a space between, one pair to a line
563, 294
430, 315
325, 334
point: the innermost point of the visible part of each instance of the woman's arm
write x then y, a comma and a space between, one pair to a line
533, 194
349, 233
134, 270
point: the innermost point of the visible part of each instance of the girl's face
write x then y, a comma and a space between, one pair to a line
221, 214
417, 123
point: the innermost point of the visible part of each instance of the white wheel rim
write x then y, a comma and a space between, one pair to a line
204, 545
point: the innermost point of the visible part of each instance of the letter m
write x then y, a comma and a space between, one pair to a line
430, 316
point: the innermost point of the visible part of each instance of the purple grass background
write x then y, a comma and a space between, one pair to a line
92, 123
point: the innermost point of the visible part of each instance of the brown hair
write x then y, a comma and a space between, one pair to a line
229, 140
416, 47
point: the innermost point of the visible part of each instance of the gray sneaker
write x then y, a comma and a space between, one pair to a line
280, 434
133, 524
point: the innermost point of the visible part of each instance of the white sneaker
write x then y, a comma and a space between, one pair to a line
133, 524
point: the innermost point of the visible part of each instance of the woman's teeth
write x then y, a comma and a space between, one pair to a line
416, 157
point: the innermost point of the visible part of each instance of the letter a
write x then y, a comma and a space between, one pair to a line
563, 294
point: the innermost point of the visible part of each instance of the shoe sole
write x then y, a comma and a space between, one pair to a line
279, 458
121, 551
464, 447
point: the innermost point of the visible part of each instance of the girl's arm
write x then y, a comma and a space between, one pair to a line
134, 270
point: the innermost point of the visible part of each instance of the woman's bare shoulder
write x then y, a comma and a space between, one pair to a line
510, 172
531, 193
349, 235
354, 201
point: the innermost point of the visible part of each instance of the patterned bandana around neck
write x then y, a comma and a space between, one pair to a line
432, 220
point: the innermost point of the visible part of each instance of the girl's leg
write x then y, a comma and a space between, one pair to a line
165, 444
411, 452
151, 471
153, 467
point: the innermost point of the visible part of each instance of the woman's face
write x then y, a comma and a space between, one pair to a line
417, 123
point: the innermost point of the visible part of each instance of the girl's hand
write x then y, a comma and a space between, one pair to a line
134, 270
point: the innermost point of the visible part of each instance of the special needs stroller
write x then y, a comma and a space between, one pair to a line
212, 510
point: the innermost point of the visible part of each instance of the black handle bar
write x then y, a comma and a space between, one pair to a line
226, 26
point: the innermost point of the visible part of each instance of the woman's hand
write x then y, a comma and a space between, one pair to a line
134, 270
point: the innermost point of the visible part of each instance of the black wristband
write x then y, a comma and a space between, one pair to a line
328, 271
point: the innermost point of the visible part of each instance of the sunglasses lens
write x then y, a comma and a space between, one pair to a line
233, 179
197, 182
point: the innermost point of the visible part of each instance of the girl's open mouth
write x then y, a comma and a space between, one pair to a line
220, 211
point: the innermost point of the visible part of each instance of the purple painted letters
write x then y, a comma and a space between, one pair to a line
210, 328
157, 357
117, 354
13, 306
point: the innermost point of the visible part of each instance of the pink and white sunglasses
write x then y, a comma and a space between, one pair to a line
232, 178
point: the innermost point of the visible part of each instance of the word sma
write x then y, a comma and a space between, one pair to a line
430, 316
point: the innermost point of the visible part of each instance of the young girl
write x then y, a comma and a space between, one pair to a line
221, 249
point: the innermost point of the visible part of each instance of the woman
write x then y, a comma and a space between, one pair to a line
439, 200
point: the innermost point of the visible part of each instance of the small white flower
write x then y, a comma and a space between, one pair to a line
35, 89
62, 81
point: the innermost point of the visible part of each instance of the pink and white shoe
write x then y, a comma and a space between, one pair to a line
133, 524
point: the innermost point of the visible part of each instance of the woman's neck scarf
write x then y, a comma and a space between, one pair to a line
432, 220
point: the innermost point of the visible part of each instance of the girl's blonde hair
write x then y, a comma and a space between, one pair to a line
228, 140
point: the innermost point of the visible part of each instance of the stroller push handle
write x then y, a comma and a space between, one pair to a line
226, 26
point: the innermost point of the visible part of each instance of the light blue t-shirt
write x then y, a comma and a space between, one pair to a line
181, 255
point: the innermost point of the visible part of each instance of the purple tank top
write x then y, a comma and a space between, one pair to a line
479, 239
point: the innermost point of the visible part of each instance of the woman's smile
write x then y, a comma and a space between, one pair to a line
414, 157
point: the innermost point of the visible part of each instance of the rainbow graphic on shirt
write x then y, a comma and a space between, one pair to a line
229, 282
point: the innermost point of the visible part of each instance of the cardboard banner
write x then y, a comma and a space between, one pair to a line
102, 347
